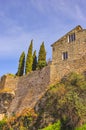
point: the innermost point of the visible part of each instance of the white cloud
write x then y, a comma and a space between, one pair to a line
69, 9
12, 46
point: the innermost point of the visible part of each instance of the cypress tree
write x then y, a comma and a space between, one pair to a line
42, 56
29, 59
34, 61
21, 65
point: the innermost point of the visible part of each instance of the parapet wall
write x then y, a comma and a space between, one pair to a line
8, 81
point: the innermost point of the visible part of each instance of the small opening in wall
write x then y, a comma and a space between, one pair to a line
65, 55
71, 37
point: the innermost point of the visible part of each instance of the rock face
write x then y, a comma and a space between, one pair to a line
5, 101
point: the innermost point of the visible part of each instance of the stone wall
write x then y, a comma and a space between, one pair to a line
9, 82
75, 49
29, 89
2, 81
63, 68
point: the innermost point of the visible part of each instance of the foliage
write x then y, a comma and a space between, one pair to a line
29, 59
34, 65
41, 64
83, 127
42, 56
20, 121
55, 126
12, 75
21, 65
2, 124
66, 101
74, 79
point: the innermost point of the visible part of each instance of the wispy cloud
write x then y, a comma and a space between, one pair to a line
69, 9
12, 46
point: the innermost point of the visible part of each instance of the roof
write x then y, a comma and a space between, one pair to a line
79, 28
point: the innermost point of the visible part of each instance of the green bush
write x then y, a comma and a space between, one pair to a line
55, 126
74, 79
41, 64
2, 123
83, 127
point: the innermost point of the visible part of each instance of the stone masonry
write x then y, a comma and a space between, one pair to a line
27, 89
69, 53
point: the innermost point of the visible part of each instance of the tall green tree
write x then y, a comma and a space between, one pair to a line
21, 65
29, 59
34, 65
42, 56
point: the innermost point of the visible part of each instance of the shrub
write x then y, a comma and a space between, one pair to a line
83, 127
2, 123
55, 126
41, 64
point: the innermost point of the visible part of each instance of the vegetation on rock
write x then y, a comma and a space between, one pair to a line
55, 126
3, 123
20, 121
64, 101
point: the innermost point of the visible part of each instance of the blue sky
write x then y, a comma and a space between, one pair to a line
40, 20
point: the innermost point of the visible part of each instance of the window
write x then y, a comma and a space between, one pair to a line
71, 37
64, 55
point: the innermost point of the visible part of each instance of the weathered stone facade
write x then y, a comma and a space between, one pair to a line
69, 54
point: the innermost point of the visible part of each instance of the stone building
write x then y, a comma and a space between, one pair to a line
68, 53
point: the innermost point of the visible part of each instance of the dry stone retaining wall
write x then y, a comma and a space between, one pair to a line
29, 89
